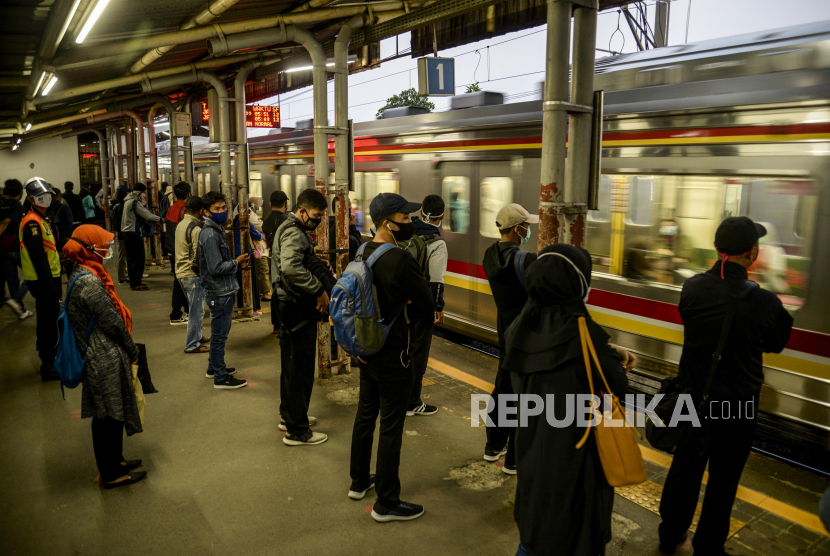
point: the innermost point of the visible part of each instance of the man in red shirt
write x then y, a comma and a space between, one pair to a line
172, 218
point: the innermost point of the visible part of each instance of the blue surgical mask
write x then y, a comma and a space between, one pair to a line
219, 217
527, 236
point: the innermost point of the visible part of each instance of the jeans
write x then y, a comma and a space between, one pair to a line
421, 342
385, 390
47, 304
108, 443
730, 441
298, 353
221, 316
121, 259
498, 437
192, 287
135, 258
8, 272
180, 301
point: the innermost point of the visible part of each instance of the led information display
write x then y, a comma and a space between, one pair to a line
255, 115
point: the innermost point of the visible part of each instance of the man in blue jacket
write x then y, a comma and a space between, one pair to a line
217, 270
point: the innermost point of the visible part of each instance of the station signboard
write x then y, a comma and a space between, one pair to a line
436, 77
255, 115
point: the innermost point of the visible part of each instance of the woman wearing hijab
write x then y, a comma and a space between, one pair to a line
563, 502
108, 395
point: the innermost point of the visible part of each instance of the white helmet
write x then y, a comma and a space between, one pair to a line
36, 186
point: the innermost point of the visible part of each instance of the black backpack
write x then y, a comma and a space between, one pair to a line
117, 213
418, 247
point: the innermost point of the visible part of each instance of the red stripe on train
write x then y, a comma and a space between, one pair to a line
805, 341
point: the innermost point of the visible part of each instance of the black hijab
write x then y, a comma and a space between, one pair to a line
545, 335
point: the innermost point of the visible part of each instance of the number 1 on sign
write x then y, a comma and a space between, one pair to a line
440, 68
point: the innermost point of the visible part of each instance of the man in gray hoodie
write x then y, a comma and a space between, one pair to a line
130, 228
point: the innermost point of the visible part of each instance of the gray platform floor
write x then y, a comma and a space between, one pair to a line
220, 481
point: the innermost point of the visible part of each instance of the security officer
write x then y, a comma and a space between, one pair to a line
42, 270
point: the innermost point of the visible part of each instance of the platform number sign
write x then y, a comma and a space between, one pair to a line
436, 77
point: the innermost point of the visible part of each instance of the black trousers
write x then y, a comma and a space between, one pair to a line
108, 443
421, 342
135, 258
729, 445
275, 312
384, 389
47, 305
298, 354
179, 302
499, 437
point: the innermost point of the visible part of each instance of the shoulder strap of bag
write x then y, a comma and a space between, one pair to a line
360, 250
716, 357
519, 266
378, 252
188, 235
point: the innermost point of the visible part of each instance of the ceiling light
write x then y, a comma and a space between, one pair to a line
306, 68
18, 141
28, 126
40, 81
96, 13
49, 85
14, 147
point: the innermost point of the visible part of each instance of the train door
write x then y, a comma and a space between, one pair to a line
457, 180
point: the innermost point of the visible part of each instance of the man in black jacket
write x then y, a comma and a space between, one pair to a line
760, 325
386, 377
74, 202
504, 265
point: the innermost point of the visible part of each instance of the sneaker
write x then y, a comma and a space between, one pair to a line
404, 511
231, 372
26, 314
309, 438
493, 455
311, 422
422, 409
230, 383
176, 322
123, 281
17, 308
509, 469
357, 491
145, 275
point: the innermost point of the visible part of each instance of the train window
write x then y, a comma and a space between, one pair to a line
367, 186
200, 178
457, 212
255, 184
602, 214
300, 183
662, 228
495, 193
285, 186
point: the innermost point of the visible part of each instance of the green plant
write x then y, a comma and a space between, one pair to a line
409, 97
474, 88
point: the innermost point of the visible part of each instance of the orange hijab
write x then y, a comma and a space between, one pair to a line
89, 241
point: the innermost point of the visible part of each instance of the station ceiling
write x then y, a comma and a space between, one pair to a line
38, 41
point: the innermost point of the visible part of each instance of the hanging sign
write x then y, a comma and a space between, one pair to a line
436, 77
256, 115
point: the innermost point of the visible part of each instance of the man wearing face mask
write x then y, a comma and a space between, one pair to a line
133, 210
505, 264
386, 377
42, 271
295, 284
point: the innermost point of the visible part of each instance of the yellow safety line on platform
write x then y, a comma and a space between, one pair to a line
773, 506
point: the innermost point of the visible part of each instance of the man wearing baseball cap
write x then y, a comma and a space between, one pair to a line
404, 298
504, 264
760, 324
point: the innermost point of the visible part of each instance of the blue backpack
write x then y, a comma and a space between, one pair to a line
359, 327
69, 361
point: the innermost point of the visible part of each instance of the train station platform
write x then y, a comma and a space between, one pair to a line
220, 481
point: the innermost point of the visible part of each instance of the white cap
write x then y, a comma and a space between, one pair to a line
514, 214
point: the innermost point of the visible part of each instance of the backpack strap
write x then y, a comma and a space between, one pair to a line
188, 235
519, 266
378, 252
69, 288
360, 250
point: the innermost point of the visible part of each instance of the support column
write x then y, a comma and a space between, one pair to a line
661, 23
578, 171
187, 155
554, 124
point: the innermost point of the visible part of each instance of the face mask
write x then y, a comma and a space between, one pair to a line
107, 255
219, 217
527, 237
312, 223
668, 230
43, 201
404, 231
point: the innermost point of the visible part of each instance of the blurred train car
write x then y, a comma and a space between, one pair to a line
692, 134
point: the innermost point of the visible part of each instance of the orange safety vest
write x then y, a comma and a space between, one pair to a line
29, 272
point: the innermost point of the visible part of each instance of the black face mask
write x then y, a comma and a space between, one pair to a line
404, 231
312, 223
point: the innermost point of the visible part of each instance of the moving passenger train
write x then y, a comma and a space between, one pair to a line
692, 134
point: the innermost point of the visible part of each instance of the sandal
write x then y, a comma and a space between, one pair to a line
200, 349
141, 288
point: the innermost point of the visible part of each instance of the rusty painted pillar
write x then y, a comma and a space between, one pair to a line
554, 125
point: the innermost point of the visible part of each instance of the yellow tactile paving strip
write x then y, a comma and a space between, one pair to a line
773, 506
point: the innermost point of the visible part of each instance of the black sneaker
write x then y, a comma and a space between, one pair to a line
309, 438
404, 511
509, 469
358, 490
230, 383
231, 372
422, 409
493, 455
179, 321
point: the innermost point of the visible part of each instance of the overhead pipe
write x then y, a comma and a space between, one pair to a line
215, 9
116, 48
138, 78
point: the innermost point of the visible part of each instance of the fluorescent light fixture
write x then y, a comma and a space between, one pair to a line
18, 141
28, 126
49, 85
40, 81
96, 13
306, 68
14, 147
